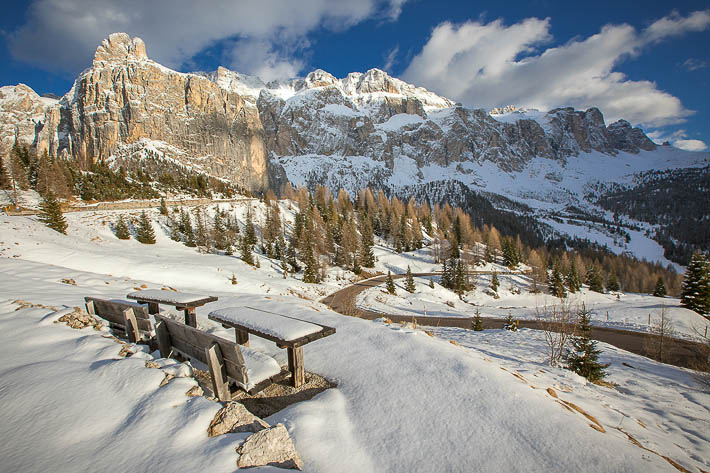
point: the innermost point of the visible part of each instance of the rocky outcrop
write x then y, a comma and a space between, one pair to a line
125, 98
22, 112
234, 417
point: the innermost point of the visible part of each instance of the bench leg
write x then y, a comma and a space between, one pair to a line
131, 324
295, 366
218, 373
242, 337
164, 342
153, 308
190, 317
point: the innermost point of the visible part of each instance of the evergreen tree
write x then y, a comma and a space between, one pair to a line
219, 232
477, 322
291, 257
555, 283
695, 293
409, 285
583, 358
572, 280
249, 231
245, 251
431, 282
202, 239
612, 282
163, 207
390, 284
122, 232
51, 213
660, 290
234, 279
511, 324
144, 230
310, 273
594, 279
495, 284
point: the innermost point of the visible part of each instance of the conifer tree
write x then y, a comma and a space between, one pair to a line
245, 251
494, 282
122, 232
583, 358
144, 230
556, 284
477, 322
660, 290
511, 324
163, 207
390, 284
594, 279
249, 231
51, 213
310, 273
695, 292
201, 237
409, 285
572, 280
219, 232
291, 257
612, 282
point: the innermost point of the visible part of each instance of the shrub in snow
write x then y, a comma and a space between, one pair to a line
122, 232
511, 324
477, 322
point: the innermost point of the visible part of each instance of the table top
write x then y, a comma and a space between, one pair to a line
264, 323
177, 299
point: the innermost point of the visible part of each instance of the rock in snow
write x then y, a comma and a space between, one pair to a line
272, 447
234, 417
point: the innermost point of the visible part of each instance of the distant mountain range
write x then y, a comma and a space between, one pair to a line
363, 130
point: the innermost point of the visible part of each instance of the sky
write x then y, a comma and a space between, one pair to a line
649, 65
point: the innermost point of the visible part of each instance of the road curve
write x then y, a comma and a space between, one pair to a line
680, 352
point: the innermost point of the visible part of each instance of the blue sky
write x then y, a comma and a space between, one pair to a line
650, 65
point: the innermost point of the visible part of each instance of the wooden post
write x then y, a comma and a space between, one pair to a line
131, 324
90, 309
649, 318
164, 345
242, 337
218, 373
295, 366
153, 308
190, 317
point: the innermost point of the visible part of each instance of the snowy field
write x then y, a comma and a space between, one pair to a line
627, 312
386, 414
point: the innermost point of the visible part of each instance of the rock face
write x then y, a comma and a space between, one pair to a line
137, 113
126, 104
272, 447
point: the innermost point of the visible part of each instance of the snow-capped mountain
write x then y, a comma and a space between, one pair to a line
367, 129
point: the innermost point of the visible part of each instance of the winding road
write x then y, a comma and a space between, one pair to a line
679, 353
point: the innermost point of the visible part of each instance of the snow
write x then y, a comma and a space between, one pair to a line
405, 401
399, 120
167, 297
259, 367
274, 324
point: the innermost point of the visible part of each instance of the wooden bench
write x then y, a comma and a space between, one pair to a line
128, 317
180, 300
287, 332
228, 363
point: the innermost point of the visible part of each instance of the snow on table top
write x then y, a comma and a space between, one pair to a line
167, 297
279, 326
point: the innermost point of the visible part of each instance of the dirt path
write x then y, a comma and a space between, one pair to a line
679, 352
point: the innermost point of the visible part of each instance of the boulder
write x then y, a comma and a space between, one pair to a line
272, 447
234, 417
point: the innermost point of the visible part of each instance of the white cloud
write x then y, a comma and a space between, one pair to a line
390, 59
690, 145
693, 64
63, 34
679, 139
487, 65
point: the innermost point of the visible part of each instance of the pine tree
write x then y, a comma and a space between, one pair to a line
477, 322
495, 284
249, 231
556, 284
51, 213
695, 292
310, 273
163, 207
660, 290
390, 284
612, 282
594, 279
122, 232
409, 285
572, 280
144, 230
511, 324
583, 358
245, 251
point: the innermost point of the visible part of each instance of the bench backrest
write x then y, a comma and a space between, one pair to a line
117, 313
193, 343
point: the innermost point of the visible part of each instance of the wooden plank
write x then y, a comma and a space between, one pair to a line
131, 325
190, 317
177, 305
90, 307
163, 336
295, 366
113, 312
242, 337
153, 308
218, 373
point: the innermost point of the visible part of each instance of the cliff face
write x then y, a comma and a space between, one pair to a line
125, 103
132, 110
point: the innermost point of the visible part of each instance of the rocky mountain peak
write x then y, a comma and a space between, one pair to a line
119, 47
320, 78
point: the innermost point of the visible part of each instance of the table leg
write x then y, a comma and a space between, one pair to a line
153, 308
190, 317
295, 366
242, 337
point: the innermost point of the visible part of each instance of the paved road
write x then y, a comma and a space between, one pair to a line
680, 353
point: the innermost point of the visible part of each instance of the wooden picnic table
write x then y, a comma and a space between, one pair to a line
287, 332
180, 300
